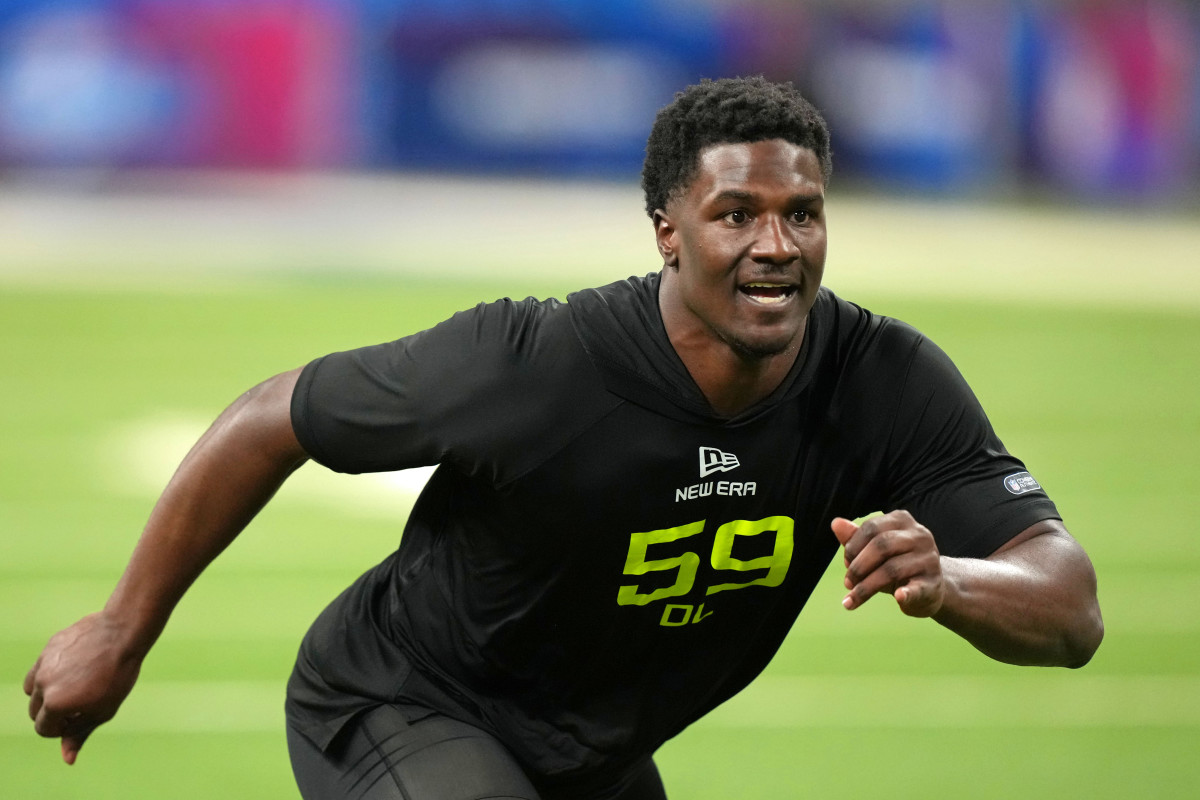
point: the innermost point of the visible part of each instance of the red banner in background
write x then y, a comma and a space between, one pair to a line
1116, 106
262, 84
265, 83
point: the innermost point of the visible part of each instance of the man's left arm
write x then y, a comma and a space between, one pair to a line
1033, 601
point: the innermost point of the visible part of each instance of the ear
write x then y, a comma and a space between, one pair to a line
664, 235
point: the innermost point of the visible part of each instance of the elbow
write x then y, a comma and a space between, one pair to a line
1085, 631
1084, 640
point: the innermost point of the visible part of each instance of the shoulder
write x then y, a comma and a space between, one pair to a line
516, 387
491, 389
857, 340
514, 347
620, 301
876, 373
504, 342
504, 324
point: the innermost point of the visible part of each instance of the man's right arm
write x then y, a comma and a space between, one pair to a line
87, 670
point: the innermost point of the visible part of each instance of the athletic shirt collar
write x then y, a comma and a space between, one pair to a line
621, 329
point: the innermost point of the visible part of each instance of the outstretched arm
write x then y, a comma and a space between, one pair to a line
1031, 602
87, 670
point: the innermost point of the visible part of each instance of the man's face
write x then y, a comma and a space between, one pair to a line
748, 240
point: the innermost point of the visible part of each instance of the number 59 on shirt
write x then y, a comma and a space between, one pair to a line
688, 563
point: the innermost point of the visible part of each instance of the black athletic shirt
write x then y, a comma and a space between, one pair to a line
600, 559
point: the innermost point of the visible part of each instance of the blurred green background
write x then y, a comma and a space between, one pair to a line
119, 341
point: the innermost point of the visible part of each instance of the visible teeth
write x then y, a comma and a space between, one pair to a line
775, 292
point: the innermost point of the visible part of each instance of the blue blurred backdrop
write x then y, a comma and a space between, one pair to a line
1087, 100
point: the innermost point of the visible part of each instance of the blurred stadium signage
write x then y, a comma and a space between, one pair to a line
1091, 98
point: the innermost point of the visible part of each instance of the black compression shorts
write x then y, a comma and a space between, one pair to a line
406, 753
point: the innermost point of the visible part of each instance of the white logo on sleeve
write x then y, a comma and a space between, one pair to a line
1021, 482
713, 460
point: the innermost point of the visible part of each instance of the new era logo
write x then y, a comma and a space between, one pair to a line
713, 460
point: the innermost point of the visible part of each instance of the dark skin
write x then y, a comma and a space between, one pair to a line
1032, 602
755, 214
744, 251
86, 671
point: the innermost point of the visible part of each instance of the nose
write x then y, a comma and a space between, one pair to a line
775, 243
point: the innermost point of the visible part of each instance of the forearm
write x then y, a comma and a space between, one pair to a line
1032, 604
223, 482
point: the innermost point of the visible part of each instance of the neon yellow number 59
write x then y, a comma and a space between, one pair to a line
776, 564
636, 564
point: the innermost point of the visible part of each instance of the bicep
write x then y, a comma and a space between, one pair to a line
1051, 527
1046, 551
273, 416
259, 423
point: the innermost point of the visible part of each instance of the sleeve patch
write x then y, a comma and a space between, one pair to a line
1020, 483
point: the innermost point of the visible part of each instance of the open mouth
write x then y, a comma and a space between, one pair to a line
767, 293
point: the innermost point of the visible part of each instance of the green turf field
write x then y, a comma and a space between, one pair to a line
103, 387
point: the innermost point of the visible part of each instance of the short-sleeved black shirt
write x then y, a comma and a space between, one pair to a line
600, 559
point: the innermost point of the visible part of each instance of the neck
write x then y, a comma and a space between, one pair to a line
730, 380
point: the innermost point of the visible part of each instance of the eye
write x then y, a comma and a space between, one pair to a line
800, 216
737, 217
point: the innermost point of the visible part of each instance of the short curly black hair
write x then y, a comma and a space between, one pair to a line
748, 109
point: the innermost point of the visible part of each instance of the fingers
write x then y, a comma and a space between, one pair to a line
35, 702
73, 743
920, 597
843, 529
855, 538
73, 728
79, 682
31, 676
893, 554
902, 576
47, 721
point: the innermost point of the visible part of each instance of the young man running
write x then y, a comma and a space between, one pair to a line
637, 491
